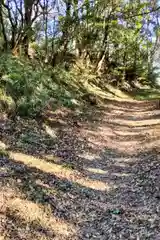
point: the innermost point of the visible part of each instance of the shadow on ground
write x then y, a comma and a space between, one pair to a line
90, 175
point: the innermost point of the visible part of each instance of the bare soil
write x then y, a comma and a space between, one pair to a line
82, 175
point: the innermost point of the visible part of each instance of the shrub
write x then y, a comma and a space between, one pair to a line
30, 85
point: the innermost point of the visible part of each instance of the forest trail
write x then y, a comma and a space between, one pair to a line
92, 175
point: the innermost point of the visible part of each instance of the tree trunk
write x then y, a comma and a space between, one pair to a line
28, 4
65, 36
3, 28
104, 48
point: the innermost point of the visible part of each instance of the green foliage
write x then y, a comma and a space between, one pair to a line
154, 77
4, 153
113, 40
7, 104
31, 88
68, 166
145, 94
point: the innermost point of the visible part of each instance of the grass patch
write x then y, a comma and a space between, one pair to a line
3, 153
147, 94
68, 166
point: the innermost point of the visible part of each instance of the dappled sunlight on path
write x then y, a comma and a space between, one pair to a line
92, 175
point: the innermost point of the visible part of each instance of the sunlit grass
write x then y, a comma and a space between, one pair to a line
40, 164
3, 152
34, 214
60, 170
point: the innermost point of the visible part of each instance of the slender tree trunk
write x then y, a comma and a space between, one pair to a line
28, 4
65, 37
104, 48
3, 28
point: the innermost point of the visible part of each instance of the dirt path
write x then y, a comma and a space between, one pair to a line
83, 176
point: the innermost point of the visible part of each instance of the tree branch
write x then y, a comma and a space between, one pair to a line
142, 14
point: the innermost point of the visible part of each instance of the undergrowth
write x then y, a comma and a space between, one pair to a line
26, 86
30, 85
147, 94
